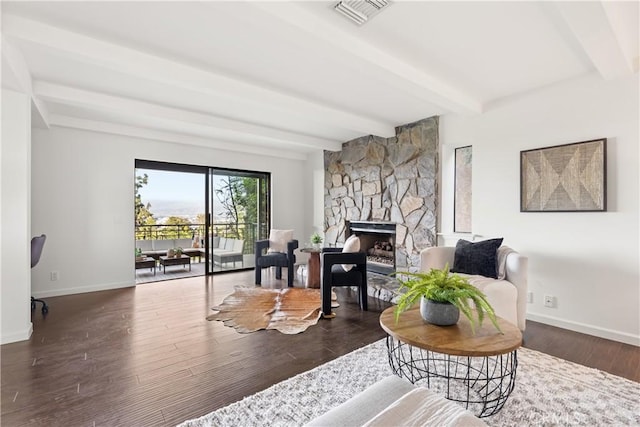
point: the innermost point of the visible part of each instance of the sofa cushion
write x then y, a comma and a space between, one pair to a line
278, 240
163, 244
477, 258
365, 405
144, 245
183, 243
423, 407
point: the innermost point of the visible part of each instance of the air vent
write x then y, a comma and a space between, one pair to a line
360, 11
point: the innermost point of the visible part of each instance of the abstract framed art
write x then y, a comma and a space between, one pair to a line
564, 178
462, 190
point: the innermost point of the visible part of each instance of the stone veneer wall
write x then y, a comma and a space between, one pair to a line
386, 179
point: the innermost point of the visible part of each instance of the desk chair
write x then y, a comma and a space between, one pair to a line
37, 243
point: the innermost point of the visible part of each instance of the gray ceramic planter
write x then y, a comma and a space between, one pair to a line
439, 313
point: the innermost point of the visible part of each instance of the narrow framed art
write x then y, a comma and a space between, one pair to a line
462, 190
564, 178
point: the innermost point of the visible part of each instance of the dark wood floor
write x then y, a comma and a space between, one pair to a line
146, 356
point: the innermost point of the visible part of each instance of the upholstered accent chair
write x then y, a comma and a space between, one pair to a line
266, 258
343, 268
506, 291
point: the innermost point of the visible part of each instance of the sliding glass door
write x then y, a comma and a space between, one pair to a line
238, 215
221, 235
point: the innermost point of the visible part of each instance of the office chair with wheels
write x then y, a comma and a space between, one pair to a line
37, 243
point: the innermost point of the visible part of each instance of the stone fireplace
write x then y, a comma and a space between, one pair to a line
385, 181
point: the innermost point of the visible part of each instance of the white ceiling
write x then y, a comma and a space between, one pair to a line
296, 76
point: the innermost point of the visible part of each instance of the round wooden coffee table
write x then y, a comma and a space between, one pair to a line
479, 371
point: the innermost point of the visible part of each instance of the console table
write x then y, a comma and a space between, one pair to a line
479, 371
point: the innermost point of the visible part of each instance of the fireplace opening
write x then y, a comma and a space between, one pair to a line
377, 240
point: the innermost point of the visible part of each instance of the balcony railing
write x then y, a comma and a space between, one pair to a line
248, 232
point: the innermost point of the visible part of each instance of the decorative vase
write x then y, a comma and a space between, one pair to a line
439, 313
171, 253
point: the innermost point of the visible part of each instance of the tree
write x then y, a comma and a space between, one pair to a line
143, 215
230, 194
181, 227
242, 200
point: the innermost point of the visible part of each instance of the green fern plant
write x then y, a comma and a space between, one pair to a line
440, 286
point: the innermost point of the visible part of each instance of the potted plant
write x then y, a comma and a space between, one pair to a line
316, 239
138, 254
443, 294
178, 251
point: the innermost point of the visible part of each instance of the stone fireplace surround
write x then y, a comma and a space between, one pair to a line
386, 180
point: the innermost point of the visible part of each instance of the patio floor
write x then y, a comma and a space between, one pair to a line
197, 269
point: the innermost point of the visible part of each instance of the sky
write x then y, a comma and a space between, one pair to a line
172, 186
176, 193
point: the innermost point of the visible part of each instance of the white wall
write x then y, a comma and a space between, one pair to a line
15, 246
588, 260
83, 189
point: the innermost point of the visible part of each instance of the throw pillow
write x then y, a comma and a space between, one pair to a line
278, 240
351, 245
477, 258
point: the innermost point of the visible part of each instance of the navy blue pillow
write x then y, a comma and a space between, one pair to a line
477, 258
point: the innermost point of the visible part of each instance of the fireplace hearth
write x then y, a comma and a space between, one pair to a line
378, 240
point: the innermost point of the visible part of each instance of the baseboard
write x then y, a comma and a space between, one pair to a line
584, 328
17, 336
83, 289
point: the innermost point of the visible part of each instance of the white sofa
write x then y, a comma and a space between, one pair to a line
227, 250
156, 248
394, 401
508, 296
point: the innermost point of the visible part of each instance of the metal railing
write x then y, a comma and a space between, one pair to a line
249, 232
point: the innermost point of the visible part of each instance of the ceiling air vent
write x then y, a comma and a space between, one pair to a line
360, 11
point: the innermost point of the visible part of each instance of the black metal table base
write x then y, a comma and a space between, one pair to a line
480, 384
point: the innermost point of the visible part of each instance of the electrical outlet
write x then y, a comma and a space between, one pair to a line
530, 297
54, 276
549, 301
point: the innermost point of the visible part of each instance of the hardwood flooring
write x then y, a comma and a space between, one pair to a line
146, 356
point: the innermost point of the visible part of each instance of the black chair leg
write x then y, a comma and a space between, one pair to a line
290, 276
45, 307
326, 300
258, 275
363, 298
278, 273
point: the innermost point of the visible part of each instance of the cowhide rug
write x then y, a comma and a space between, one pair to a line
289, 310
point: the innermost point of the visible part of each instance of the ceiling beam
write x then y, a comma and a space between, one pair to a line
600, 40
157, 135
15, 65
406, 77
187, 121
153, 68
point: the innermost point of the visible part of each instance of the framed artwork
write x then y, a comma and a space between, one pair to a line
462, 190
564, 178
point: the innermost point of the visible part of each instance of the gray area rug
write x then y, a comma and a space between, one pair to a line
549, 392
